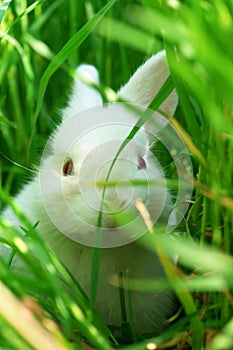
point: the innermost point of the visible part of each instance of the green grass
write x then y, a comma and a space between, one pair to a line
42, 42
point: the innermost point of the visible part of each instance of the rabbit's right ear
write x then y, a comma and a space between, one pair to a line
83, 96
146, 82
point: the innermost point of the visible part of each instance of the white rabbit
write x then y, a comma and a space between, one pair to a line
67, 208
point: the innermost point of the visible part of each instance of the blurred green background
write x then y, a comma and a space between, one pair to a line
43, 41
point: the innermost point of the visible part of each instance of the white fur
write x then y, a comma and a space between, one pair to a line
86, 97
146, 83
150, 309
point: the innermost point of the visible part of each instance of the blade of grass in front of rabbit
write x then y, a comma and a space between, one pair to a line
96, 252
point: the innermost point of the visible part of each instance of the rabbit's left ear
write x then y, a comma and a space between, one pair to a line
83, 96
147, 81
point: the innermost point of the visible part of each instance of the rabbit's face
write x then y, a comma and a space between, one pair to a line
83, 150
78, 190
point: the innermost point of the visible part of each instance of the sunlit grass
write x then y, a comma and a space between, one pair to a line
42, 42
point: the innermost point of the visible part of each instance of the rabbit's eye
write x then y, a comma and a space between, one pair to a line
68, 168
141, 163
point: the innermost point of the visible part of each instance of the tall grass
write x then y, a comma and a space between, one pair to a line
41, 43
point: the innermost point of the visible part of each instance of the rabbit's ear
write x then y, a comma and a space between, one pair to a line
83, 95
147, 81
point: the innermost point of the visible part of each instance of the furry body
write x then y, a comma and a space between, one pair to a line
150, 309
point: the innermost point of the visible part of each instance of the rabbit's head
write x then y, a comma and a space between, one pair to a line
81, 176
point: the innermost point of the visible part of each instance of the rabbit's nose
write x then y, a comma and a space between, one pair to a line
115, 202
112, 197
120, 196
114, 207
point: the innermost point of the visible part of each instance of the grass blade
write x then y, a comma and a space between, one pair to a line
3, 8
66, 51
